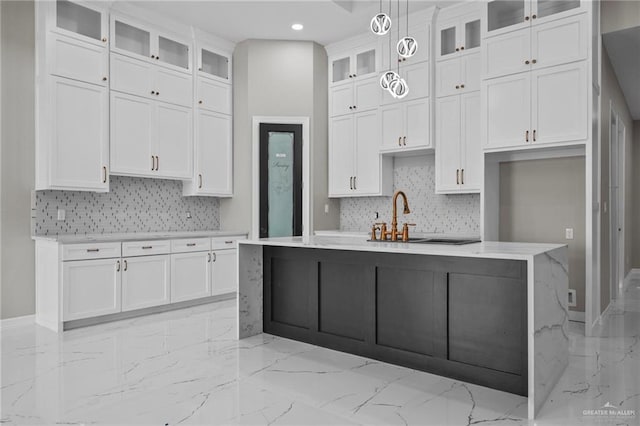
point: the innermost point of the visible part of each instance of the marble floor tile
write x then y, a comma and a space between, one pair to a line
186, 367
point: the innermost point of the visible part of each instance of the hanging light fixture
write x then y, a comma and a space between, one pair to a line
407, 46
381, 23
390, 80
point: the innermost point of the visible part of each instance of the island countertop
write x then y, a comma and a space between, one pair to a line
485, 249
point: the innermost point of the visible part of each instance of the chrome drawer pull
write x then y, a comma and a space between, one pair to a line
147, 247
191, 244
228, 242
93, 250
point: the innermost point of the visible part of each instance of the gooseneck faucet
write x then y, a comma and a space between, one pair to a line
394, 219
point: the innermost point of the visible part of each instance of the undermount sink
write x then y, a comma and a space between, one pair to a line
420, 240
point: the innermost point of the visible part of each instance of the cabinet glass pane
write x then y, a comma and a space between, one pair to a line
78, 19
341, 68
173, 53
504, 13
447, 41
366, 62
551, 7
214, 64
132, 39
472, 34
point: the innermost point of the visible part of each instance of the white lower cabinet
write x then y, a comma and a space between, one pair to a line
224, 272
145, 282
90, 288
190, 276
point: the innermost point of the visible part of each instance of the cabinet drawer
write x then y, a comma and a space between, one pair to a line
90, 251
190, 244
231, 242
79, 61
145, 248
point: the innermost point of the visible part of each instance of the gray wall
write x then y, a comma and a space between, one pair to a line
635, 198
278, 78
619, 14
611, 93
538, 200
17, 48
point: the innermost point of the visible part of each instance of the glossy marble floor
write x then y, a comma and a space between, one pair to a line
185, 367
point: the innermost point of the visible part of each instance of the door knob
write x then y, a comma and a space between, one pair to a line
104, 39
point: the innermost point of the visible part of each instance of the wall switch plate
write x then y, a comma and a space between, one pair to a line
188, 215
62, 214
572, 298
326, 208
568, 233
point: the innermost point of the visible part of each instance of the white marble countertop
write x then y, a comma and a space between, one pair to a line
133, 236
486, 249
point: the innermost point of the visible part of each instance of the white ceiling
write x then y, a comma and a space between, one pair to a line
623, 48
325, 21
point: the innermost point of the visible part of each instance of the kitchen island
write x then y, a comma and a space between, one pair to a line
489, 313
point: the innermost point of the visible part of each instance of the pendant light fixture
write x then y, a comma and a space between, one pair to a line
390, 80
406, 46
380, 23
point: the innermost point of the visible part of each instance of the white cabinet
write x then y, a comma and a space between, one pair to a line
544, 45
213, 156
405, 126
417, 76
458, 75
213, 95
91, 288
504, 16
78, 146
190, 276
357, 63
458, 35
421, 34
355, 166
362, 95
547, 106
77, 59
224, 272
150, 138
458, 152
83, 20
214, 63
145, 282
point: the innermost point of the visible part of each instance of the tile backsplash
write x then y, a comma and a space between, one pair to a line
459, 213
131, 205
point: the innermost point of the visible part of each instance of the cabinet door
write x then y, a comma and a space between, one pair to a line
131, 38
214, 64
470, 33
507, 54
471, 152
190, 276
68, 57
470, 68
173, 51
367, 140
416, 124
341, 69
82, 21
421, 35
214, 96
364, 62
547, 10
447, 39
507, 111
173, 87
90, 288
80, 148
132, 76
174, 142
392, 126
341, 100
448, 127
214, 154
559, 104
145, 282
559, 42
417, 77
224, 272
131, 135
341, 155
448, 77
503, 16
366, 94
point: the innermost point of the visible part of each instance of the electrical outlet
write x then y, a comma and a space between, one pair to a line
568, 233
326, 208
376, 215
188, 215
572, 298
62, 214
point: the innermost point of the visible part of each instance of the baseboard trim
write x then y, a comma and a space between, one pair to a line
604, 314
10, 323
577, 316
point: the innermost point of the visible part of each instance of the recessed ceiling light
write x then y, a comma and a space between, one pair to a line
297, 27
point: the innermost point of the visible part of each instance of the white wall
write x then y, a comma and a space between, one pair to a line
619, 14
278, 78
17, 281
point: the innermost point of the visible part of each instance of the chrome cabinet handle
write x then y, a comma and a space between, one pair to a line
118, 266
153, 163
93, 250
229, 242
191, 244
126, 265
350, 182
208, 257
215, 257
157, 163
534, 135
147, 247
354, 182
200, 180
399, 140
104, 174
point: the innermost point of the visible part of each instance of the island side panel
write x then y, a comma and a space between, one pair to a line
250, 287
550, 325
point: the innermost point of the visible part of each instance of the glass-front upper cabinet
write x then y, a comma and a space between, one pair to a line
215, 64
133, 38
552, 8
458, 36
360, 63
80, 20
508, 15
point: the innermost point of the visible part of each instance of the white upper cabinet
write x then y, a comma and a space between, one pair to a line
362, 95
145, 42
417, 76
405, 126
214, 96
214, 63
390, 57
360, 62
458, 36
72, 58
82, 20
458, 75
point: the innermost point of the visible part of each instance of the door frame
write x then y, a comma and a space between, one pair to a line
616, 238
307, 211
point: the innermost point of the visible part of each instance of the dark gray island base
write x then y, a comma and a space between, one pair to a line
458, 317
490, 313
